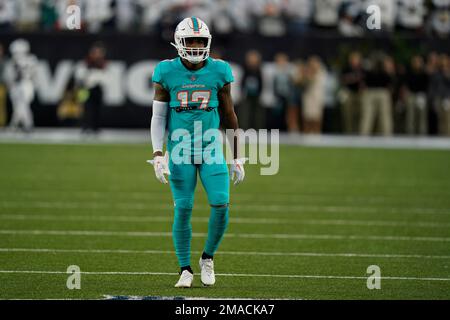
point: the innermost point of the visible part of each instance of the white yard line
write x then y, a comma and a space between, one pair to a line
149, 197
158, 193
17, 204
49, 135
131, 219
122, 297
225, 275
228, 235
244, 253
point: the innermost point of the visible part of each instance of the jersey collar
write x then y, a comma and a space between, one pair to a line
189, 70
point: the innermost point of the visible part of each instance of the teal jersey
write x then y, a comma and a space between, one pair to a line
193, 95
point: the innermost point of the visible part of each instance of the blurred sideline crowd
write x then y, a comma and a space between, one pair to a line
81, 103
227, 17
371, 94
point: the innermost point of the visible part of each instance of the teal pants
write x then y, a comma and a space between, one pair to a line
183, 180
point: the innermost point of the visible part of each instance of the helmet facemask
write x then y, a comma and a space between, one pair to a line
192, 54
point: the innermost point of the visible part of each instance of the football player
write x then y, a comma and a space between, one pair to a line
193, 90
20, 76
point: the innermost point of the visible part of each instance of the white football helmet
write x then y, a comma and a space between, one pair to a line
192, 28
19, 47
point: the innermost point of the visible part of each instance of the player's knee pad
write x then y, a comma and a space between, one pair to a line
183, 211
184, 203
220, 206
219, 199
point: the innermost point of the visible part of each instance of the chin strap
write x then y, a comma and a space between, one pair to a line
182, 56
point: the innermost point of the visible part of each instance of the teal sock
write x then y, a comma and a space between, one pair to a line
182, 234
218, 222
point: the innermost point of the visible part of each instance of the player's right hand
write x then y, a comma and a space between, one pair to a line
161, 166
237, 170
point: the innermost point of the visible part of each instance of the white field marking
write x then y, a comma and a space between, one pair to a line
136, 138
228, 235
293, 201
151, 195
246, 253
237, 207
439, 184
439, 188
119, 218
116, 297
131, 297
147, 273
148, 195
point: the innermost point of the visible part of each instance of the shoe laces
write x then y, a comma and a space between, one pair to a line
185, 275
208, 264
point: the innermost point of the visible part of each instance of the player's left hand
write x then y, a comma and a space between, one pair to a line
237, 172
161, 166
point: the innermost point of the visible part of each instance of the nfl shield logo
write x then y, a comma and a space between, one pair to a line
193, 78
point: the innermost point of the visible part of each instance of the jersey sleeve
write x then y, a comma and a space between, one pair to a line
157, 75
228, 74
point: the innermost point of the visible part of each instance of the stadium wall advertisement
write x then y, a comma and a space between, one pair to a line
127, 87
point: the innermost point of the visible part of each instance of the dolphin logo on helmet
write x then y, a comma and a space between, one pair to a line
192, 27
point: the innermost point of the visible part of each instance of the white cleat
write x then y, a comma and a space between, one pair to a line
185, 281
207, 272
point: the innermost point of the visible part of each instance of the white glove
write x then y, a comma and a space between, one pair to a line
161, 166
237, 172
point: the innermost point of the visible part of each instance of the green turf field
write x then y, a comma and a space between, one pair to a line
309, 232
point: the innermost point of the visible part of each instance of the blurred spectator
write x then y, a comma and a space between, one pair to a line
349, 16
125, 12
28, 14
225, 17
400, 97
377, 96
90, 77
20, 76
299, 13
313, 96
172, 13
229, 16
439, 22
49, 15
2, 87
326, 12
293, 113
198, 8
70, 109
222, 22
416, 99
282, 86
443, 98
7, 14
331, 87
433, 72
411, 14
98, 14
270, 20
350, 95
150, 12
242, 15
251, 113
